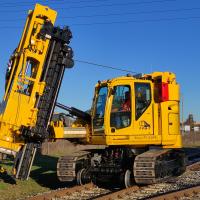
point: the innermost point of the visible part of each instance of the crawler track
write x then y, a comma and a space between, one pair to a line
188, 184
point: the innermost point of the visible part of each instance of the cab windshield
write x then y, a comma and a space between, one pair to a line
100, 103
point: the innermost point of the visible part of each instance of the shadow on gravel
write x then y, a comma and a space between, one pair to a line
45, 172
191, 151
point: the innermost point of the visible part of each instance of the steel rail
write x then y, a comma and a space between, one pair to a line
130, 191
61, 192
178, 194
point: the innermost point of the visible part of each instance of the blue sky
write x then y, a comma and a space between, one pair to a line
137, 35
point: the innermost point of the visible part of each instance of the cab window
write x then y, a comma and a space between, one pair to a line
98, 121
142, 98
120, 116
101, 102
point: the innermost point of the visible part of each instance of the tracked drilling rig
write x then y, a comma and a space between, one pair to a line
143, 138
33, 80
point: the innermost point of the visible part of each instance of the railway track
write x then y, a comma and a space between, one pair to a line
186, 186
189, 181
87, 191
189, 193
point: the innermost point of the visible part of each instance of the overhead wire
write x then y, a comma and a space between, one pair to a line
119, 22
128, 13
116, 14
137, 21
121, 4
104, 5
25, 3
104, 66
131, 13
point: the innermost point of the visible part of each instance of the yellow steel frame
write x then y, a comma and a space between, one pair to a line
18, 107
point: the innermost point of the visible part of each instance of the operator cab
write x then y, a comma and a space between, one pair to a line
119, 108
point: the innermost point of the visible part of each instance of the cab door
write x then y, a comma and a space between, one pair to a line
120, 110
143, 119
136, 117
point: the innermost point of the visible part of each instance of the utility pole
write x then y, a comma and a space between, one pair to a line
182, 118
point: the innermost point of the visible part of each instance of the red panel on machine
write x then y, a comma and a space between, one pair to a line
164, 92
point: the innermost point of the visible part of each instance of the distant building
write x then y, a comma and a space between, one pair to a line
186, 128
190, 125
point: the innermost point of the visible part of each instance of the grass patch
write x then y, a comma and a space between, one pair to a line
2, 186
42, 178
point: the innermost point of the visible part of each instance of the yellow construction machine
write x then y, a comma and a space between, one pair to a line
137, 118
34, 75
